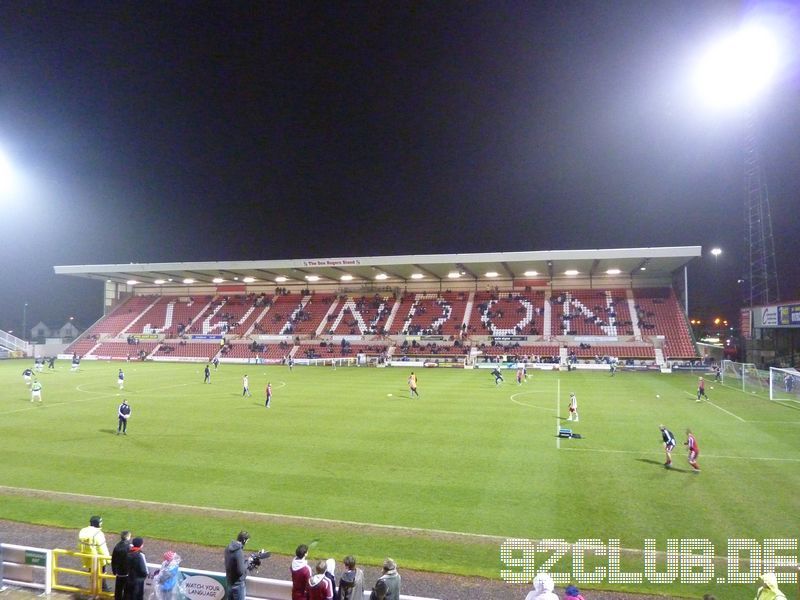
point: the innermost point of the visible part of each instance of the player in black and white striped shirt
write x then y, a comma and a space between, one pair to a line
669, 444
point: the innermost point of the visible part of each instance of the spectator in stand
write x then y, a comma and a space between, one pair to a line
573, 592
319, 586
330, 573
236, 566
119, 564
769, 591
391, 578
137, 571
351, 583
301, 573
542, 588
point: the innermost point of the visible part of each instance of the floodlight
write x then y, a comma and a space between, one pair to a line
188, 280
159, 282
492, 274
737, 68
249, 279
613, 272
716, 252
571, 272
6, 174
531, 273
281, 279
217, 280
381, 276
417, 276
312, 278
131, 282
346, 278
454, 275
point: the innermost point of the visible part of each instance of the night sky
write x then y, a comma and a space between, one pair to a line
185, 131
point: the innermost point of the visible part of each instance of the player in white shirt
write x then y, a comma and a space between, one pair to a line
121, 379
573, 408
246, 386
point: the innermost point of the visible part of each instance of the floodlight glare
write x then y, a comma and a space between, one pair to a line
417, 276
381, 276
716, 251
571, 272
613, 272
6, 174
312, 277
159, 282
217, 280
531, 273
737, 68
249, 279
131, 282
454, 275
281, 279
188, 280
492, 274
346, 278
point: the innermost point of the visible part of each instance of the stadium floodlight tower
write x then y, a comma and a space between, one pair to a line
731, 75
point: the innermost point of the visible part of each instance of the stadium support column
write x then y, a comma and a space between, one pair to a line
686, 290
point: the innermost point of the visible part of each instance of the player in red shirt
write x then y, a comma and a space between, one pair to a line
701, 389
694, 450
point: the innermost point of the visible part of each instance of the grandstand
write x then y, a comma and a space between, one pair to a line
549, 307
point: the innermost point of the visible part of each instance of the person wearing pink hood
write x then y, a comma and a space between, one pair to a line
301, 573
542, 588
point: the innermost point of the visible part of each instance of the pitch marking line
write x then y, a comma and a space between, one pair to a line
39, 406
515, 401
608, 451
719, 407
248, 513
558, 413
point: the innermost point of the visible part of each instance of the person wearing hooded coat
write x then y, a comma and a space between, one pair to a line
769, 591
542, 588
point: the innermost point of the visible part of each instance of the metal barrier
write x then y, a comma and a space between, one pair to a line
25, 566
94, 576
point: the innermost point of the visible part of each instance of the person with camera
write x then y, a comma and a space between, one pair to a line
236, 566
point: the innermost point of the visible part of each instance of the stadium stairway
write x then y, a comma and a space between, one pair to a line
547, 329
324, 323
139, 316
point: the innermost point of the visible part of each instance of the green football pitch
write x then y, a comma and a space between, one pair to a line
437, 482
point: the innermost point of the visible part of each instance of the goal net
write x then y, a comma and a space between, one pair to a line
745, 377
784, 384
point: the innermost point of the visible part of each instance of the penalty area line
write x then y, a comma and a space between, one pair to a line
718, 407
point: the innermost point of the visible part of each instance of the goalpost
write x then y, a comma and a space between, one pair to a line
745, 377
784, 384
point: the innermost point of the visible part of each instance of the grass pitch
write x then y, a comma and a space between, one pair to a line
452, 473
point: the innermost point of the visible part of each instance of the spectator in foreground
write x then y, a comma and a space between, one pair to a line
573, 592
119, 564
236, 566
769, 591
137, 571
391, 578
319, 586
301, 573
351, 583
542, 588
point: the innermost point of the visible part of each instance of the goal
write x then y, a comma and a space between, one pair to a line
784, 384
745, 377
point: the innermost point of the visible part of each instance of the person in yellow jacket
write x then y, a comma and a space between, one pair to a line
769, 591
92, 540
